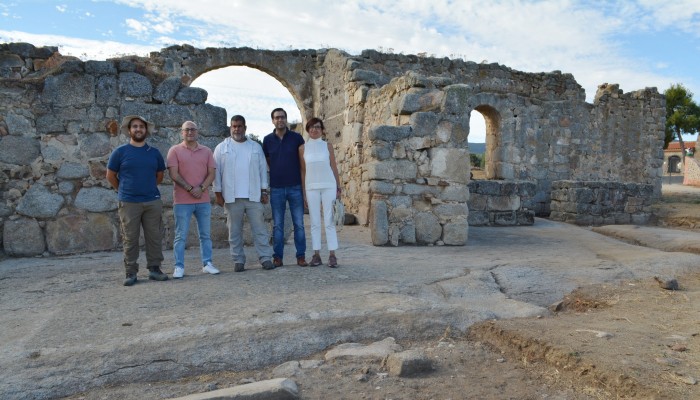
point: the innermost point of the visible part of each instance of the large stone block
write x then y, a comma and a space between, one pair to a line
370, 77
381, 187
23, 237
100, 68
421, 100
211, 121
450, 164
455, 233
389, 133
107, 91
525, 217
95, 145
19, 125
400, 214
167, 89
19, 150
447, 212
191, 95
505, 218
424, 123
96, 199
136, 85
503, 203
80, 233
392, 169
407, 233
379, 223
381, 150
455, 192
478, 218
72, 170
428, 228
478, 202
69, 90
456, 99
39, 202
10, 61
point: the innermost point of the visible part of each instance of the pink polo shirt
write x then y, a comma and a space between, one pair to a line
192, 165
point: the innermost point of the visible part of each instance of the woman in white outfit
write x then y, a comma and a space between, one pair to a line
319, 178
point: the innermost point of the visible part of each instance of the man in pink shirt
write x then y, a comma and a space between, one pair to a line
191, 168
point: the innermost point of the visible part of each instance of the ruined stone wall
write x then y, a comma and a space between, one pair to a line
59, 122
691, 175
539, 129
501, 203
399, 125
601, 203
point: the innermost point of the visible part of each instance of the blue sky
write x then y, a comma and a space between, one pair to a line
637, 44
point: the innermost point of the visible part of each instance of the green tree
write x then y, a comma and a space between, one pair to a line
682, 115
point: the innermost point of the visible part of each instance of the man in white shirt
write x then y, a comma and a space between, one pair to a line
241, 187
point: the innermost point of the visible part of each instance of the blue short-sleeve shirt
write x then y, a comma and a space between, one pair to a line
136, 168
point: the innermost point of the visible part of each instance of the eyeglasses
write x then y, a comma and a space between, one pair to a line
189, 130
316, 127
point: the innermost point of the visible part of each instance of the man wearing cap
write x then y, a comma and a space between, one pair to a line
191, 166
135, 169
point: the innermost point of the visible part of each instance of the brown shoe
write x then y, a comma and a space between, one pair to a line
301, 261
315, 261
277, 262
332, 261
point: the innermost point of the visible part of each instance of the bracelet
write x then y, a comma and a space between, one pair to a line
201, 188
189, 189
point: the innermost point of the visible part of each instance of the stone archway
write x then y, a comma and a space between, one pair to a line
295, 70
249, 92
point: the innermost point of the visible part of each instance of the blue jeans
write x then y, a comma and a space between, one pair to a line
183, 215
278, 201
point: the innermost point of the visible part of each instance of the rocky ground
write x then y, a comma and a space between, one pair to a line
632, 339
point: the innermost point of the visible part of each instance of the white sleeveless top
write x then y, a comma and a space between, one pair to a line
319, 174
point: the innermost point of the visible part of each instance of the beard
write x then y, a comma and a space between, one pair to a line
138, 138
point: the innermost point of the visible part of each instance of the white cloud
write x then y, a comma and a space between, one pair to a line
584, 38
61, 8
82, 48
136, 28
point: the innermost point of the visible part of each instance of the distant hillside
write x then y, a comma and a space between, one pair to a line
477, 148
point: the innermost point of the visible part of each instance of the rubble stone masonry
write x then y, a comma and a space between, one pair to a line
399, 125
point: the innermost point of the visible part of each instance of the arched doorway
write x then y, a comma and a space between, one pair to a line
251, 93
674, 163
491, 152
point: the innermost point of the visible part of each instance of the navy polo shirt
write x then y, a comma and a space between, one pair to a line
283, 158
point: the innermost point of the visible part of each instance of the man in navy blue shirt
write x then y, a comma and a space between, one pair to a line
281, 148
135, 169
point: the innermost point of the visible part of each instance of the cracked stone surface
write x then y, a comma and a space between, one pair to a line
68, 325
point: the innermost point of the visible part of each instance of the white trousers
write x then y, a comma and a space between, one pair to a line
316, 198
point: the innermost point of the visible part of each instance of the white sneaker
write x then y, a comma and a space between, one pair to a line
210, 268
178, 272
